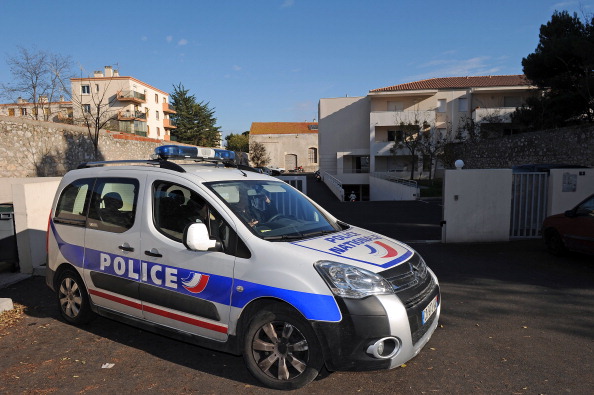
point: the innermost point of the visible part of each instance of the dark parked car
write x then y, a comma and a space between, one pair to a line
572, 230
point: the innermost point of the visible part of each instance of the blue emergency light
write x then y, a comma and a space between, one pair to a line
225, 155
185, 152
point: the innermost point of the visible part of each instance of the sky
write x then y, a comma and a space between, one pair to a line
273, 60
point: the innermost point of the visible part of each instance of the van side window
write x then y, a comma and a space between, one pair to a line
175, 207
113, 204
73, 203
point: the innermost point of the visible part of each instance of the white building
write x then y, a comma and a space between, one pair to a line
129, 104
358, 135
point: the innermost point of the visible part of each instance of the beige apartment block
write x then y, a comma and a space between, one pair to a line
129, 105
289, 144
359, 136
41, 110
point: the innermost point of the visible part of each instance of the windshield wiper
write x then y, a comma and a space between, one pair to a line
283, 237
319, 233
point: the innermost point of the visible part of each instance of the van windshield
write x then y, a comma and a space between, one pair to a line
273, 210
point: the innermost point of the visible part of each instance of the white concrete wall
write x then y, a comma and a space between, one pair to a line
562, 197
387, 190
32, 199
477, 205
343, 127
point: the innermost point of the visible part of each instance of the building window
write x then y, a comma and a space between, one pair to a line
97, 88
11, 112
156, 98
164, 99
462, 104
441, 105
157, 114
158, 131
85, 89
87, 108
23, 111
312, 154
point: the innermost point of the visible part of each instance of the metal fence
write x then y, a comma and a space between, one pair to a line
529, 204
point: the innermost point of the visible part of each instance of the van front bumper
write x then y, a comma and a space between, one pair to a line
346, 344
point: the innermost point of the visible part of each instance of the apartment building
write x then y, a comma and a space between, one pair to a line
130, 105
358, 136
42, 110
289, 144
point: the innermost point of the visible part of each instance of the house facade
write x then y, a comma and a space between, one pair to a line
130, 105
289, 144
42, 110
359, 136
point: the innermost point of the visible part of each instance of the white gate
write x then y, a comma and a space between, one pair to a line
529, 204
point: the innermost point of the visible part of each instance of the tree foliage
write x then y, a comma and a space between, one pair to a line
37, 77
258, 154
562, 66
196, 123
238, 142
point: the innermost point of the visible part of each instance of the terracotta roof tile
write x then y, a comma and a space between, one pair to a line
459, 82
283, 127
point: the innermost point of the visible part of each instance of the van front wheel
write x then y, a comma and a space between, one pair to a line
281, 349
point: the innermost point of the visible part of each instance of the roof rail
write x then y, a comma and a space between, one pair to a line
164, 164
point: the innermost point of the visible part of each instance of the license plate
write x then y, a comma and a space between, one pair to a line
429, 310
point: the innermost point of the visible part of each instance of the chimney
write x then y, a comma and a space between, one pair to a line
61, 97
116, 73
19, 99
97, 74
108, 71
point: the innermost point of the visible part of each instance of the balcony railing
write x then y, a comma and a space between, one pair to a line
493, 115
169, 123
394, 118
168, 108
133, 96
131, 115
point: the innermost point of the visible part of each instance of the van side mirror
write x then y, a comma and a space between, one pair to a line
196, 238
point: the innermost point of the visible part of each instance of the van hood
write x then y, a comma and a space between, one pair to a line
358, 247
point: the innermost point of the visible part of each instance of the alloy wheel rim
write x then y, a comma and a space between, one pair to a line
280, 350
70, 297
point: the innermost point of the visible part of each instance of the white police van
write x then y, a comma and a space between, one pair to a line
236, 261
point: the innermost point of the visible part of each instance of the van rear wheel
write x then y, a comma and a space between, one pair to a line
281, 349
73, 298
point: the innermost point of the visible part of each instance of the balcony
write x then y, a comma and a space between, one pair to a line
394, 118
131, 96
169, 124
134, 127
493, 114
168, 109
382, 148
131, 116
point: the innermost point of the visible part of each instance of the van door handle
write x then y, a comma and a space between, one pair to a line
153, 252
126, 247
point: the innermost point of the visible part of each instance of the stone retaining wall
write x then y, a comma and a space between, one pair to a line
31, 148
571, 145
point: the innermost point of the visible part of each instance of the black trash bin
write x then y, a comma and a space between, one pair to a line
9, 257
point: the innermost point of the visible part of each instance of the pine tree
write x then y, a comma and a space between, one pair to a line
195, 121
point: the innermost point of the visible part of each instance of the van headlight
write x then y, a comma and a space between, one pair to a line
352, 282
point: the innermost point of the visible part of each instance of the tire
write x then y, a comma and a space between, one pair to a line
281, 349
554, 243
73, 298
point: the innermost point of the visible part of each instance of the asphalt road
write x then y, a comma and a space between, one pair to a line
515, 320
